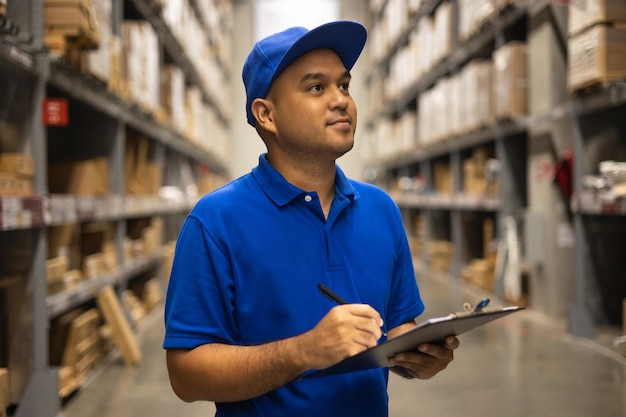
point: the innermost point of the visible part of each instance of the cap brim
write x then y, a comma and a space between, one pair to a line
347, 38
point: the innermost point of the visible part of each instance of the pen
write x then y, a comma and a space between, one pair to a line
331, 295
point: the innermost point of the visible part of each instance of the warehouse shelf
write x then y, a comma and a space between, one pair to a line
451, 64
95, 93
427, 8
457, 201
151, 12
21, 212
500, 130
62, 209
598, 203
88, 289
132, 149
13, 52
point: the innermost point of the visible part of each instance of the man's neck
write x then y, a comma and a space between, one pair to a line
318, 177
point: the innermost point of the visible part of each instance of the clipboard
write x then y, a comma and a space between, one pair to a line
433, 330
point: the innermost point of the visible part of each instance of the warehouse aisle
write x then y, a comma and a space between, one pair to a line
521, 366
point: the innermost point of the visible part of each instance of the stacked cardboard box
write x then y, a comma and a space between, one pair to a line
143, 175
84, 348
443, 182
475, 180
16, 174
597, 56
440, 254
140, 64
481, 271
510, 81
73, 21
99, 61
584, 14
597, 43
87, 177
173, 96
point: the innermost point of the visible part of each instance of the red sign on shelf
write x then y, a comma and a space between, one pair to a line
55, 112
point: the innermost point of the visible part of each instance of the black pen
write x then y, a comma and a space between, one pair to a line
331, 295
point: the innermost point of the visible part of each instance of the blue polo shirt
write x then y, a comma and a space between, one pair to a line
247, 264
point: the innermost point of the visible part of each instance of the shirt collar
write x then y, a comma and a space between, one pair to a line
281, 192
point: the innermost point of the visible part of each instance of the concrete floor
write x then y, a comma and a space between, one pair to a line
520, 366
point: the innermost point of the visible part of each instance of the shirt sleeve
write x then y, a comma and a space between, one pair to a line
198, 305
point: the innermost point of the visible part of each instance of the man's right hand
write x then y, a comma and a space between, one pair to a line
345, 331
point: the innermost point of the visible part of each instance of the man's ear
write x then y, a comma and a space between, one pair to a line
262, 111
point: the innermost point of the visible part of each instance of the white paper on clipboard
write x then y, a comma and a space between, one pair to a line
433, 330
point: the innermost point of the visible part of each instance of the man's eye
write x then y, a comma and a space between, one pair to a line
345, 86
316, 87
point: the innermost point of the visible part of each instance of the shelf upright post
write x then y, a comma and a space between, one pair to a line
41, 395
456, 218
581, 323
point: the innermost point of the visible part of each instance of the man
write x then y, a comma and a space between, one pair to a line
244, 318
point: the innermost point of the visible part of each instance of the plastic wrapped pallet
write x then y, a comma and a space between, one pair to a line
510, 80
596, 56
586, 13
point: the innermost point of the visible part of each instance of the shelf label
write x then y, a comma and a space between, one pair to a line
55, 112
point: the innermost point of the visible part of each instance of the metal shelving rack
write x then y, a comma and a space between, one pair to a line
597, 218
26, 65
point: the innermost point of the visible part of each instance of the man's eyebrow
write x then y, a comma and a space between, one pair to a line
320, 76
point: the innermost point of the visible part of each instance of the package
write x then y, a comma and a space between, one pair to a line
140, 64
586, 13
98, 62
173, 95
87, 177
17, 163
510, 81
76, 19
596, 56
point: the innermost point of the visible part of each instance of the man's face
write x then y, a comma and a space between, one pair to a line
315, 114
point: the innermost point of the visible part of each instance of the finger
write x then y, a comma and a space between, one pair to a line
437, 351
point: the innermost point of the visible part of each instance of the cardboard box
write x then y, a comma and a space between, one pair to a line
597, 56
442, 178
582, 14
87, 178
124, 339
74, 19
13, 184
510, 81
20, 164
4, 390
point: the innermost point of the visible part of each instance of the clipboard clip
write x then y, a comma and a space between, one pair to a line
478, 307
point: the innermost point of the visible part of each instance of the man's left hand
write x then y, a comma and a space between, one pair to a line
427, 361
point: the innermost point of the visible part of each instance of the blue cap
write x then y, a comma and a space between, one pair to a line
271, 55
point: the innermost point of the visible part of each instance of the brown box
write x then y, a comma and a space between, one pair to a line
125, 340
17, 163
4, 390
442, 178
74, 19
87, 178
586, 13
596, 57
510, 81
